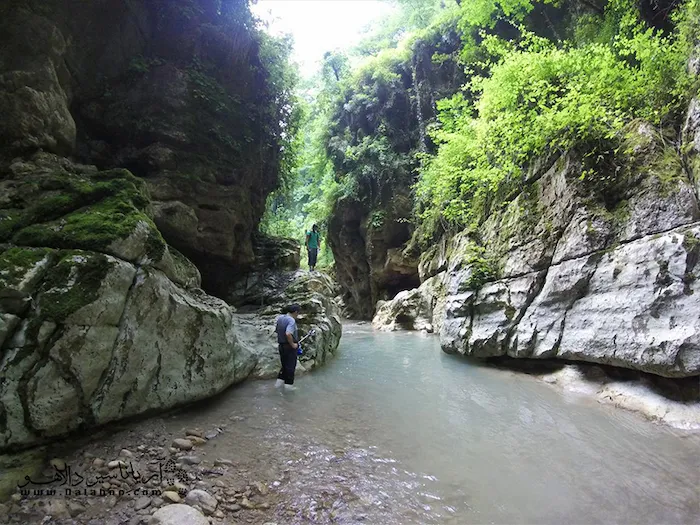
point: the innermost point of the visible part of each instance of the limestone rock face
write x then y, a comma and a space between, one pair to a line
565, 272
33, 101
102, 339
169, 91
138, 143
369, 258
260, 299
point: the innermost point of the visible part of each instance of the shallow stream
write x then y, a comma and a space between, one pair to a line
395, 431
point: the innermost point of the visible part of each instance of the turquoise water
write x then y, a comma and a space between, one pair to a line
394, 431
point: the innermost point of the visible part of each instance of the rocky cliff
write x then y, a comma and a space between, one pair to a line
138, 143
174, 91
383, 123
601, 273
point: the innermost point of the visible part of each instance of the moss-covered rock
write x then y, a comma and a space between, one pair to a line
51, 204
101, 340
72, 283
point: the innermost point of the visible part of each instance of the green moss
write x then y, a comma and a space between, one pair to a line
484, 268
84, 212
182, 264
590, 230
155, 245
73, 283
618, 216
690, 241
15, 262
668, 169
621, 213
92, 209
93, 227
9, 222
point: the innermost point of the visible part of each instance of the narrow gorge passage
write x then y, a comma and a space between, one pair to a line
394, 431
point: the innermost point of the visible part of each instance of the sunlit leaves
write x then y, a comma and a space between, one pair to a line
539, 98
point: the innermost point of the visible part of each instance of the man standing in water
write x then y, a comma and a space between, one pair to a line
287, 339
313, 242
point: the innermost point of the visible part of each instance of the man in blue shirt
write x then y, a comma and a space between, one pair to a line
288, 342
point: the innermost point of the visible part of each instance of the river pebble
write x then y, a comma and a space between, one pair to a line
182, 444
203, 499
246, 503
142, 503
172, 496
57, 508
178, 515
75, 508
58, 463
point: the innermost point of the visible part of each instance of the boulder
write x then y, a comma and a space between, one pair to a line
103, 340
203, 500
275, 253
178, 514
260, 299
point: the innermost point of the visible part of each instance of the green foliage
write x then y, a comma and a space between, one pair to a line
283, 115
538, 98
485, 13
309, 187
377, 218
388, 32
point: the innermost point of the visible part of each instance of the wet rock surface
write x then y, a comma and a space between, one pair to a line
562, 273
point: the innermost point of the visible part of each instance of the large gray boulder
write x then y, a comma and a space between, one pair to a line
412, 309
99, 339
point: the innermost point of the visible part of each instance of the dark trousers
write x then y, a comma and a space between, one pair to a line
313, 254
288, 357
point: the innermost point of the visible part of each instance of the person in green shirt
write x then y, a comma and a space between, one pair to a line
313, 242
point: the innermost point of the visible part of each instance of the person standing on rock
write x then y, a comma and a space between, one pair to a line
288, 342
313, 242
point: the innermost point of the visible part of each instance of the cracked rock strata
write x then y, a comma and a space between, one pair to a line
133, 342
577, 279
